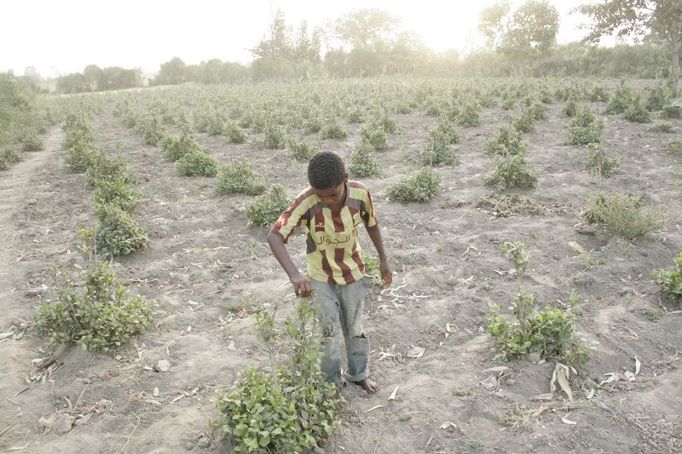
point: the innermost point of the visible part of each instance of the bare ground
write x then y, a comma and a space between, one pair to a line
206, 271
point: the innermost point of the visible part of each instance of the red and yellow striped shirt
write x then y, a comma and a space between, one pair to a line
332, 246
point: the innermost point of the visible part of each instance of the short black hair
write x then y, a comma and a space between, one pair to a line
326, 170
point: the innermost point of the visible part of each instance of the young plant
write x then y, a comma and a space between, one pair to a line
598, 163
264, 211
239, 178
118, 233
291, 408
670, 280
363, 163
332, 130
302, 151
512, 172
100, 317
198, 163
508, 142
585, 128
674, 146
422, 187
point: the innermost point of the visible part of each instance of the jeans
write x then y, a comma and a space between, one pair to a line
341, 306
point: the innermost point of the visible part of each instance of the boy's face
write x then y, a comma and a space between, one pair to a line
333, 197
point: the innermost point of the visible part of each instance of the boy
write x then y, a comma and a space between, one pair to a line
332, 208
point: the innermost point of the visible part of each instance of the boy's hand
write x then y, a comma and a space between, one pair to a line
386, 274
302, 286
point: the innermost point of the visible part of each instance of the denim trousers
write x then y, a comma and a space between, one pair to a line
342, 306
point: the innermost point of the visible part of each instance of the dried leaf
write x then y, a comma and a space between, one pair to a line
612, 377
415, 352
638, 366
374, 408
560, 375
394, 393
567, 421
497, 370
543, 396
448, 425
590, 394
629, 376
578, 248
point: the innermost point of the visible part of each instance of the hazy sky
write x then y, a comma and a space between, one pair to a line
63, 36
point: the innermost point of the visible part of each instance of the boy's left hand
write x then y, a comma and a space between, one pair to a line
386, 274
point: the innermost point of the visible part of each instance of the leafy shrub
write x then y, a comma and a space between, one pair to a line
439, 149
235, 134
332, 130
100, 317
239, 179
674, 146
585, 128
302, 151
508, 142
656, 99
289, 409
470, 115
104, 167
177, 147
313, 124
216, 125
508, 103
264, 211
375, 136
636, 112
117, 193
548, 332
621, 214
670, 280
672, 111
421, 187
363, 163
80, 157
8, 157
31, 142
512, 172
599, 93
118, 233
569, 108
620, 101
198, 163
662, 126
599, 163
151, 129
275, 138
355, 116
525, 122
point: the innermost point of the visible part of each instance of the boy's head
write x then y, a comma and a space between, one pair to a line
327, 176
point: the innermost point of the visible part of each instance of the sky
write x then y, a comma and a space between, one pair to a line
58, 37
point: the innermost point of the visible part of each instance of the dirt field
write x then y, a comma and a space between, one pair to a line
206, 271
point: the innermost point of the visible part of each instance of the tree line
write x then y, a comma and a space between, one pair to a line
372, 42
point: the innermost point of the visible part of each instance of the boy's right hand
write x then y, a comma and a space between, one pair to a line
302, 286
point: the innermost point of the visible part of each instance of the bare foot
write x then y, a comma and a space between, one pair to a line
368, 385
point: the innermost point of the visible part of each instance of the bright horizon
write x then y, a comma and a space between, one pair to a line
58, 38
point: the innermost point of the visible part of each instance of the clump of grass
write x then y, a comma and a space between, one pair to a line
674, 146
621, 214
585, 128
508, 142
670, 280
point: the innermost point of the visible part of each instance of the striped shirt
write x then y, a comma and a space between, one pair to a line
332, 246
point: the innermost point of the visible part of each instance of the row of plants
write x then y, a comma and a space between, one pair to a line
92, 308
24, 117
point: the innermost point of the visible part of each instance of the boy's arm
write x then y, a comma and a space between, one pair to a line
384, 268
300, 281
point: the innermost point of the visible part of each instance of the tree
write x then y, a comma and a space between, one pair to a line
528, 32
94, 76
637, 18
172, 72
371, 29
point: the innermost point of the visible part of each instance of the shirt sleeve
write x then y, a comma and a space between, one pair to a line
293, 217
369, 216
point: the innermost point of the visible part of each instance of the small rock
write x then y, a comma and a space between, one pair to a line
155, 392
406, 416
163, 365
585, 229
189, 446
204, 442
63, 424
534, 357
